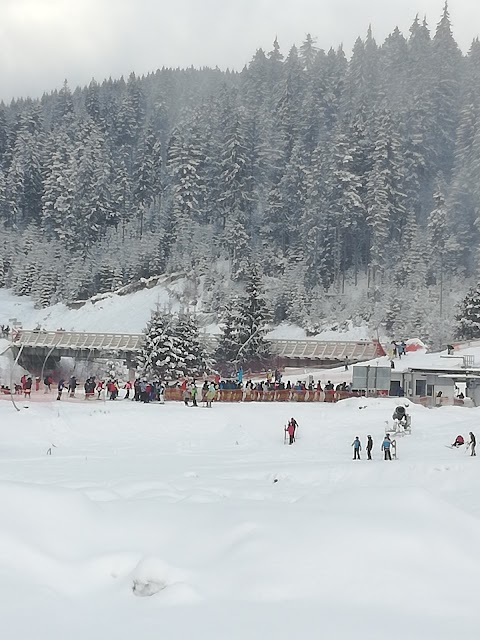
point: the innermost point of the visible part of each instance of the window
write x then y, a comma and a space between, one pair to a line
420, 387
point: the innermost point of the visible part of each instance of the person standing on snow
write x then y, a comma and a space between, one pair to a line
369, 447
386, 447
211, 393
290, 429
357, 447
472, 443
72, 385
295, 426
60, 388
193, 394
161, 393
27, 387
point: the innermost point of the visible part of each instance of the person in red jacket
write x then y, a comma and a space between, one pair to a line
459, 441
290, 429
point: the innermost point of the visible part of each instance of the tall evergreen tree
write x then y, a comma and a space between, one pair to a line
158, 357
468, 316
245, 325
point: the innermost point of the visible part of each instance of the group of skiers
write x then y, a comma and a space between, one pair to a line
387, 447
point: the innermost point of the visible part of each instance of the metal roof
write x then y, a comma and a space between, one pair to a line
293, 349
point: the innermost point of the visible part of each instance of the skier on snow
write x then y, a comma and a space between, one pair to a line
290, 429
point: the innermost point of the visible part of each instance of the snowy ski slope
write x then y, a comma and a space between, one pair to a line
235, 534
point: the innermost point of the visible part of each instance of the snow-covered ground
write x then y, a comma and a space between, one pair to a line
114, 313
236, 535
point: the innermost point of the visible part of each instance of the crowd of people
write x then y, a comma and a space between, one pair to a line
141, 389
190, 391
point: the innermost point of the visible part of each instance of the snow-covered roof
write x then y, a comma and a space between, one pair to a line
465, 356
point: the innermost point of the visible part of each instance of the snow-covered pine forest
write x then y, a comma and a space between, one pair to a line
351, 182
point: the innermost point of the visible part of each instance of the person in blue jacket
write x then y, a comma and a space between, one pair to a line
386, 447
357, 447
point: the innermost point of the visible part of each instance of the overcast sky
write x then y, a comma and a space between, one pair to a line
45, 41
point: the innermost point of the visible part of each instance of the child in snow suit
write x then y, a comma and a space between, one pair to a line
357, 447
386, 447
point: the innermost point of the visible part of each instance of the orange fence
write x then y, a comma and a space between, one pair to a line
278, 395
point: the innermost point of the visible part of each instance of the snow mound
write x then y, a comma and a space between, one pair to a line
150, 576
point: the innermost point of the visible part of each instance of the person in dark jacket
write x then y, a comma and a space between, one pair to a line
473, 443
72, 385
60, 388
369, 447
357, 447
27, 387
295, 427
290, 429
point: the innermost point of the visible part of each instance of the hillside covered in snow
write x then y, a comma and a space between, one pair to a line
129, 313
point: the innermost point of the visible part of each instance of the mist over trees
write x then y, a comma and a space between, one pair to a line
352, 185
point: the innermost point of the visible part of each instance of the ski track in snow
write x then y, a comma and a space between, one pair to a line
225, 532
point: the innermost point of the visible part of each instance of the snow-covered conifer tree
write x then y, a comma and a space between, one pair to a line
159, 356
189, 351
245, 325
468, 317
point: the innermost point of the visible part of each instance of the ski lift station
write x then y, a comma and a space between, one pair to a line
433, 379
